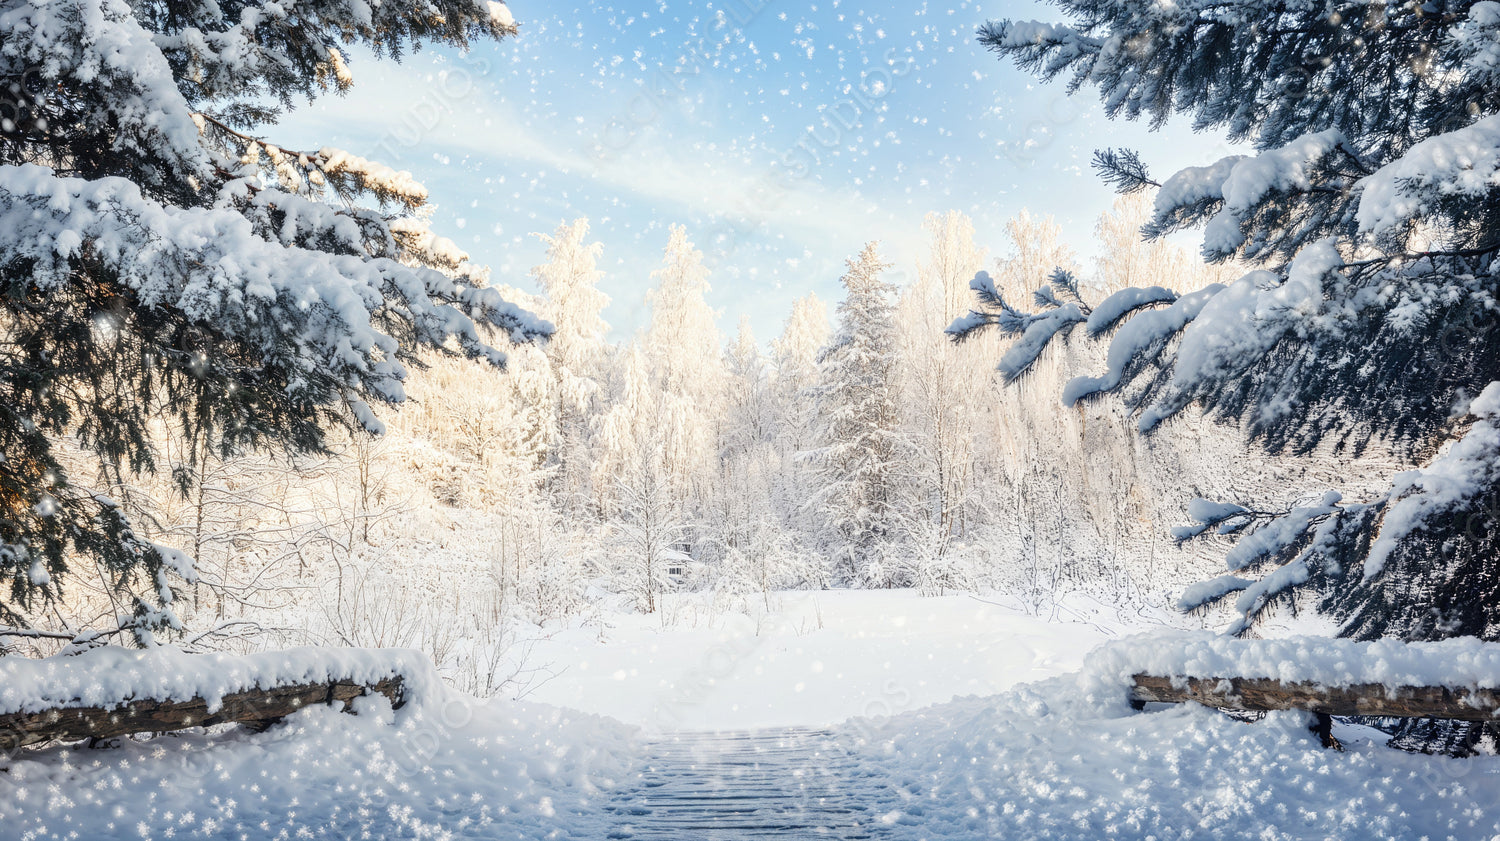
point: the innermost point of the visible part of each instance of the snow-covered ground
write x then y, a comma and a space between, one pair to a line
1043, 747
1053, 761
454, 769
815, 658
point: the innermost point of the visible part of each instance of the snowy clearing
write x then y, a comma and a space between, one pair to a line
819, 658
1048, 750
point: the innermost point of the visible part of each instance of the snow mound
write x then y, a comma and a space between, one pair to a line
1056, 761
1460, 662
458, 768
108, 677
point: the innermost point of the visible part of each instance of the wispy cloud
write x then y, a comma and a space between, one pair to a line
745, 196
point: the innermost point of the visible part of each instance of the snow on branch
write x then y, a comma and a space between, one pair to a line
1035, 331
1208, 514
314, 312
384, 182
1455, 481
1190, 196
1235, 327
1224, 196
233, 55
1280, 532
1461, 163
1010, 320
1039, 332
1202, 593
1124, 303
1046, 47
99, 46
1308, 540
1250, 180
1145, 331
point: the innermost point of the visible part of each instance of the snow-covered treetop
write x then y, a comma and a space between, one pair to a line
795, 351
683, 340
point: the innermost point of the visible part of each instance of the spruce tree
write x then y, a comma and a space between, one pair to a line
857, 402
683, 345
794, 414
578, 352
1369, 215
164, 265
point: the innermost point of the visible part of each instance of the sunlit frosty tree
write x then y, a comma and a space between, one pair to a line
1370, 214
577, 350
163, 263
857, 394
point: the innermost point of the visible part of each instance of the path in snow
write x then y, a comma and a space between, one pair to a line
785, 783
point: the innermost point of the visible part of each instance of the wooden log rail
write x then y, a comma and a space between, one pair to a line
1239, 693
1373, 699
254, 707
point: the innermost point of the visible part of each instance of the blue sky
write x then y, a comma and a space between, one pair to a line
782, 135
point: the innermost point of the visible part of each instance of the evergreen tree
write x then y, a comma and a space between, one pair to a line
941, 387
158, 256
857, 396
794, 356
684, 347
1369, 214
794, 413
577, 350
645, 516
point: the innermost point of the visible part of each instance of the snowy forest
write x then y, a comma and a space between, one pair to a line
1096, 502
860, 448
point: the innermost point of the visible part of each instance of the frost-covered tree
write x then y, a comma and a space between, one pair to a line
159, 255
577, 350
858, 454
794, 360
644, 515
942, 387
1369, 214
747, 407
746, 522
647, 533
626, 418
794, 412
685, 350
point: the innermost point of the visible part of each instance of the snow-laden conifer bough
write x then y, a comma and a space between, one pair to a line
1366, 221
162, 258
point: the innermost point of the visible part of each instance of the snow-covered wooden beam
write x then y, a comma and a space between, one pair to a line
1238, 693
258, 706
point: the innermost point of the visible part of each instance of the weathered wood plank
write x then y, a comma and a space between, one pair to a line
736, 787
256, 706
1359, 699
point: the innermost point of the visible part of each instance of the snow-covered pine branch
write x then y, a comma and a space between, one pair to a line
163, 254
1368, 213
